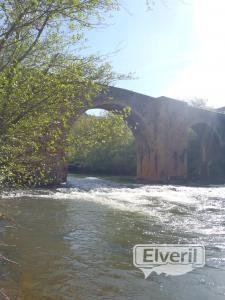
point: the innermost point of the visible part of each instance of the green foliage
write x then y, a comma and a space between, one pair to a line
35, 32
44, 82
103, 144
35, 111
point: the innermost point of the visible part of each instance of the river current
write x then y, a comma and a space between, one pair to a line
75, 241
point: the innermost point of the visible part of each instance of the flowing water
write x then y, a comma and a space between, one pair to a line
75, 242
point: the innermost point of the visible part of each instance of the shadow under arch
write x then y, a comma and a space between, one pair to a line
205, 155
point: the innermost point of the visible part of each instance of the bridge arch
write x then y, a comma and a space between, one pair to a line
135, 122
205, 121
160, 126
204, 152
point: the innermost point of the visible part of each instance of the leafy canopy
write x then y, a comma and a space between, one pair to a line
44, 81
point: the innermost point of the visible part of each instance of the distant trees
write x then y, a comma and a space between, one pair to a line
103, 144
198, 102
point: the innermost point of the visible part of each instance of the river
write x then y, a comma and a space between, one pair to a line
75, 241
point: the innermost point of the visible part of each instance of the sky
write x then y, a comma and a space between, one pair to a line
177, 49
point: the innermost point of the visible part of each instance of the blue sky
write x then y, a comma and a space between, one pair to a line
177, 49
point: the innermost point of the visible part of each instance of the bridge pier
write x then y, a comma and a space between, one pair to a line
162, 157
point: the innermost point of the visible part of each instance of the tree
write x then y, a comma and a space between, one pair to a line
198, 102
42, 84
36, 32
44, 81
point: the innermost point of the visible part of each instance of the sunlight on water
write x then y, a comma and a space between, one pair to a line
75, 242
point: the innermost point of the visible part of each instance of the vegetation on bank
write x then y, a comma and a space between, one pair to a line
44, 81
103, 144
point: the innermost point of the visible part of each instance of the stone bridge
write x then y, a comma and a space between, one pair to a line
161, 127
